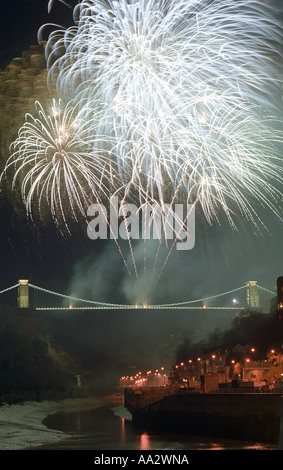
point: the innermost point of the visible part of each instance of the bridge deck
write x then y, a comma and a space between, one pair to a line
133, 307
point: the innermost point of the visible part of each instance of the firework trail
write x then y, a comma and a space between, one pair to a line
51, 4
186, 89
176, 101
54, 161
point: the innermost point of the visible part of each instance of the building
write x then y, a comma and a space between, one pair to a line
223, 367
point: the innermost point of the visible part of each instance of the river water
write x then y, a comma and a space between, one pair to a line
109, 427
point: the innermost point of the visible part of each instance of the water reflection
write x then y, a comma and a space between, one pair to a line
123, 431
144, 441
216, 446
105, 429
79, 423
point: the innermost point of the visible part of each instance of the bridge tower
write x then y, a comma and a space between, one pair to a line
23, 294
26, 314
252, 294
280, 297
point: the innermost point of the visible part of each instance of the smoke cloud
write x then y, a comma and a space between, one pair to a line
221, 260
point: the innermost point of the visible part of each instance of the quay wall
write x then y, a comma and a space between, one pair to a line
139, 398
248, 416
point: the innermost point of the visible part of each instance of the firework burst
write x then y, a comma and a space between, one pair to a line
54, 162
185, 90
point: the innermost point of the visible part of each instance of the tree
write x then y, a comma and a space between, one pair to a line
184, 349
26, 363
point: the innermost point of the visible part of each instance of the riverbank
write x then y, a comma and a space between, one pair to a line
94, 423
21, 424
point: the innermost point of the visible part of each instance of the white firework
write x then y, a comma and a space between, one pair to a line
186, 89
55, 164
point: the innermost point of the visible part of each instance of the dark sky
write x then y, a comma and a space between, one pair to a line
221, 259
20, 21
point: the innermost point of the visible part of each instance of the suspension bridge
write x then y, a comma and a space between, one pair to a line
249, 295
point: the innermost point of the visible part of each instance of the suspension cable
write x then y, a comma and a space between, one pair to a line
123, 305
9, 288
93, 302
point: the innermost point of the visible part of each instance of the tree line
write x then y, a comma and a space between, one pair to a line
30, 364
263, 331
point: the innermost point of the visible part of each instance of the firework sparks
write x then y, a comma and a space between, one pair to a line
185, 89
161, 101
54, 161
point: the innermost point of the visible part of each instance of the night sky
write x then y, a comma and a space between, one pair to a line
221, 260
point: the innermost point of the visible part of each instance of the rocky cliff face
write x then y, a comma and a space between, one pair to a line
22, 82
